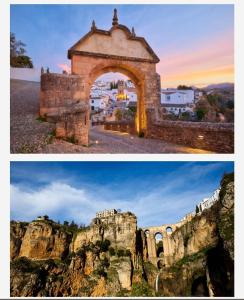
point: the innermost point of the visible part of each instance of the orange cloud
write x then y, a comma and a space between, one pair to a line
206, 63
65, 67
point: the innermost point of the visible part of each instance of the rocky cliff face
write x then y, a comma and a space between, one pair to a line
109, 257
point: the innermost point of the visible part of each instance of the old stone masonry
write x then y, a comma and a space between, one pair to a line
64, 98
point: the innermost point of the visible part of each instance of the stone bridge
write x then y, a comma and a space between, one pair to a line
162, 255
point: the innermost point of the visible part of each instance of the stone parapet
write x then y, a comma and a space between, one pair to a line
216, 137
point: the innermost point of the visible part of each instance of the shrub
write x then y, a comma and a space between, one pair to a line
127, 253
111, 251
105, 245
141, 289
121, 252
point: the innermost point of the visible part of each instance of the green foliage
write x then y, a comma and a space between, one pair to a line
185, 116
113, 85
105, 263
197, 209
226, 179
201, 112
105, 245
21, 61
142, 289
18, 59
118, 115
184, 87
81, 253
100, 271
111, 251
121, 252
71, 139
41, 119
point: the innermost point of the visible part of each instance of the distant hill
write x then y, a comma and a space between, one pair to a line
226, 85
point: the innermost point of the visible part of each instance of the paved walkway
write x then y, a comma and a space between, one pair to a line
104, 141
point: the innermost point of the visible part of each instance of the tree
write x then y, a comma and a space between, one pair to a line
111, 251
18, 57
184, 87
197, 209
105, 245
118, 115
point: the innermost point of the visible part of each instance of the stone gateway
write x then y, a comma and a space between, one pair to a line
64, 98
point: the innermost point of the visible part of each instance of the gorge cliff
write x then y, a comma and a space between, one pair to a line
113, 257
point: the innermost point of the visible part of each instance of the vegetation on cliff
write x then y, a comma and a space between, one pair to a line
110, 258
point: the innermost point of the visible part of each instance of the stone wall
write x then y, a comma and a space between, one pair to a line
216, 137
63, 101
60, 91
121, 126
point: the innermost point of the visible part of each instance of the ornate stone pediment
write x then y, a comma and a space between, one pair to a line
118, 42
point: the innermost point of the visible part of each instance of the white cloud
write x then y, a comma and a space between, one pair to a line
62, 201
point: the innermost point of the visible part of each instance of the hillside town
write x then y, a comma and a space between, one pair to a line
117, 100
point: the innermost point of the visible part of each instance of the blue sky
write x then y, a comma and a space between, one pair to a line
194, 42
157, 192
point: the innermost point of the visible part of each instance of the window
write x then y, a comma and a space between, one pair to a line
168, 98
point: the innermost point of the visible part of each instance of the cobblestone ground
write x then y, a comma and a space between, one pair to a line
30, 135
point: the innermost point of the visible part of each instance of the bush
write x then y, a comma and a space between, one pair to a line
105, 263
81, 253
141, 289
120, 253
105, 245
111, 251
127, 253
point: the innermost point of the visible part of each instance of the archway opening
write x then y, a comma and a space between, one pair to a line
199, 287
159, 244
113, 98
169, 230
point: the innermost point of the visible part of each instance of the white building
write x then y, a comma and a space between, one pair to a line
97, 104
177, 109
177, 96
177, 101
106, 213
208, 202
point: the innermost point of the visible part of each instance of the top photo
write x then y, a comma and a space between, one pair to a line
121, 78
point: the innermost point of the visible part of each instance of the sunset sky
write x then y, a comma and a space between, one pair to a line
195, 43
157, 192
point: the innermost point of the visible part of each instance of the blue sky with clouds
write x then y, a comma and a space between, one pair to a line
200, 36
157, 192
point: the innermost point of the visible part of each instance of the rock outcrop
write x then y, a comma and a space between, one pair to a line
43, 241
110, 257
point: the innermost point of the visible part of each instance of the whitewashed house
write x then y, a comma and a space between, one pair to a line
177, 101
208, 202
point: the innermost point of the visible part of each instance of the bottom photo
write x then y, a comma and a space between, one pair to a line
122, 229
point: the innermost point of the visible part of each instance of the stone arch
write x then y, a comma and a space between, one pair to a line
135, 75
159, 243
65, 98
146, 233
169, 229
